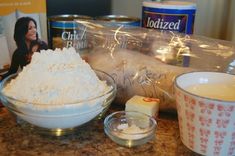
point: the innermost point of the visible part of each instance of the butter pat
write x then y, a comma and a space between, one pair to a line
149, 106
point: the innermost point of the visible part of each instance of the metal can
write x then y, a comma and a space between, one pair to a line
169, 15
119, 20
63, 31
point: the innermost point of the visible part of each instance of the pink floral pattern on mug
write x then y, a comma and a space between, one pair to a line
205, 121
231, 151
233, 136
204, 132
189, 102
191, 143
190, 127
232, 148
217, 151
222, 123
218, 142
190, 115
225, 110
220, 134
203, 148
181, 127
204, 141
206, 108
191, 135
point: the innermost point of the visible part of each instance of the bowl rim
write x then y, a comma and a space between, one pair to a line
113, 89
146, 131
203, 97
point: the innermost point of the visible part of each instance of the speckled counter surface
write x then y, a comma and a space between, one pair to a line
88, 140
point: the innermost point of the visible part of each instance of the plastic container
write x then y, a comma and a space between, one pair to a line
169, 15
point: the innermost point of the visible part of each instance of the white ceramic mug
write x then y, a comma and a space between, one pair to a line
207, 125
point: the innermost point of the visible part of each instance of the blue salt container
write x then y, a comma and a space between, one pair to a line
169, 15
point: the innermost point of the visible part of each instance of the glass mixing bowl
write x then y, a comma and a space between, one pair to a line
60, 117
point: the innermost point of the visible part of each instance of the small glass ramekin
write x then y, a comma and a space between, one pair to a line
130, 128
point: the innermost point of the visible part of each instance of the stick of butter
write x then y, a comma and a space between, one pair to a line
149, 106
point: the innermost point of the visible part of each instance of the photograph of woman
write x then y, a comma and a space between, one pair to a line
27, 42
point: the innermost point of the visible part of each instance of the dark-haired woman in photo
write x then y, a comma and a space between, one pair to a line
25, 34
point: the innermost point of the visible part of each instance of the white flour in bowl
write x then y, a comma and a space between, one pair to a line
56, 77
50, 90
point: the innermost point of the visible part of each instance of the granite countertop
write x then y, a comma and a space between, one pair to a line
88, 140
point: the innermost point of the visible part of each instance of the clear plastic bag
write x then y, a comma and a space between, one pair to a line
145, 61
